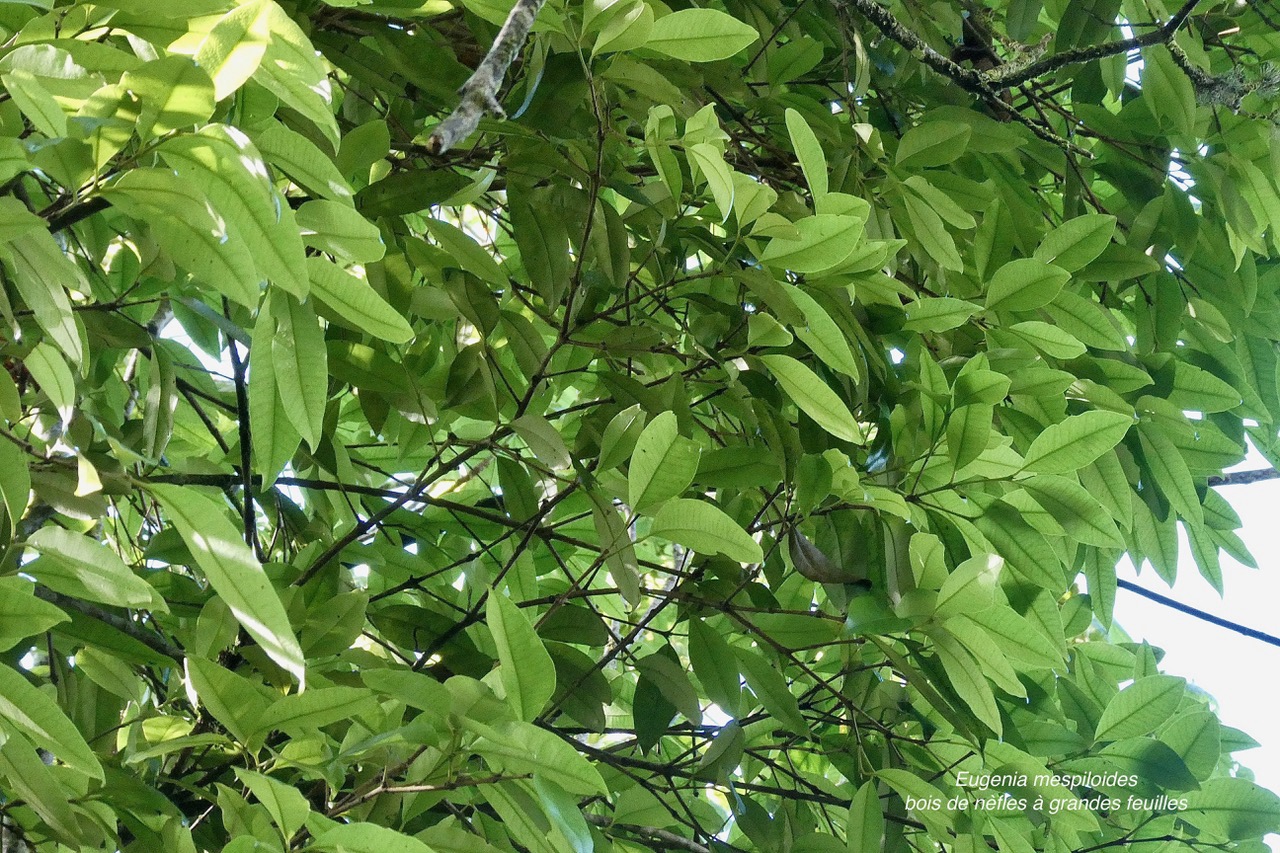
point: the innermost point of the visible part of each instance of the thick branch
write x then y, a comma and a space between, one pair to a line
1240, 478
480, 92
121, 623
1014, 75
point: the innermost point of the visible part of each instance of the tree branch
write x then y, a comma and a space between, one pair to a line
480, 92
124, 625
650, 836
1241, 478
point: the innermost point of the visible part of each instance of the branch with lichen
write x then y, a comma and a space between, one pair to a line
479, 95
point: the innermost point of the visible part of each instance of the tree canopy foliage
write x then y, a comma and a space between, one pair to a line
729, 450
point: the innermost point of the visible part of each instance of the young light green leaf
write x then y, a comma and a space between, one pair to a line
1075, 442
706, 529
527, 673
717, 173
933, 143
700, 35
971, 587
232, 50
864, 828
55, 379
335, 228
968, 681
233, 573
821, 334
814, 397
285, 803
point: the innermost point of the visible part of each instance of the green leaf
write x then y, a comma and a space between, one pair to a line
662, 465
1236, 808
1076, 442
705, 529
362, 837
22, 615
300, 363
233, 573
1076, 242
825, 241
230, 172
1170, 472
174, 92
809, 152
232, 50
275, 439
968, 681
934, 143
821, 334
518, 747
358, 304
27, 711
1024, 285
1140, 707
76, 565
285, 803
938, 314
527, 673
864, 828
50, 371
971, 587
189, 228
814, 397
717, 173
770, 688
320, 706
713, 662
1168, 91
41, 272
699, 35
543, 440
335, 228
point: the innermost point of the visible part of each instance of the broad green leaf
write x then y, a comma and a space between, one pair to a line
967, 679
620, 437
519, 747
85, 568
25, 710
1077, 241
699, 35
51, 372
865, 825
935, 143
662, 465
1169, 471
318, 707
706, 529
938, 314
358, 304
1071, 444
174, 92
715, 666
814, 397
770, 688
1022, 643
1235, 807
1168, 91
543, 440
232, 50
717, 174
971, 587
527, 673
300, 159
22, 615
285, 803
335, 228
275, 439
362, 837
1050, 340
809, 152
826, 240
1024, 285
30, 780
41, 272
301, 366
189, 228
230, 171
821, 334
234, 573
1140, 707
